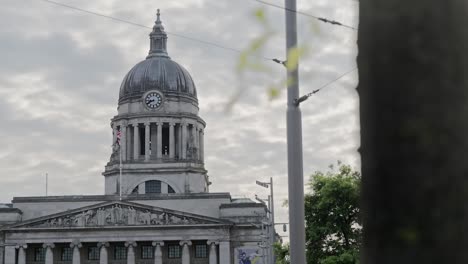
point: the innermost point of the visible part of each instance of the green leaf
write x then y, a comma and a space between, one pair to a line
260, 15
293, 57
273, 92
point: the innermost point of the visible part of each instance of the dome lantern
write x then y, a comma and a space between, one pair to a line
158, 39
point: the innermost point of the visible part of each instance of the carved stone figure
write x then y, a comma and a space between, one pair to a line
131, 216
115, 156
101, 217
191, 149
145, 217
90, 218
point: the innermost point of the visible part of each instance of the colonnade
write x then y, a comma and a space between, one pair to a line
185, 140
10, 255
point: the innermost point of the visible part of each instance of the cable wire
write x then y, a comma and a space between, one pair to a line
305, 97
143, 26
329, 21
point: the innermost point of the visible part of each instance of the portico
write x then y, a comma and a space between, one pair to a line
104, 252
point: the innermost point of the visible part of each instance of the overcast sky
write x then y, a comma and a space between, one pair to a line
60, 74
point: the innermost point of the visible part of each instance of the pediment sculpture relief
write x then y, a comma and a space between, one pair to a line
118, 215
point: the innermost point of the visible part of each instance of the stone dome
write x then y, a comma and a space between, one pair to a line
157, 72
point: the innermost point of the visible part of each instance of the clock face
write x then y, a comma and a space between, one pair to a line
153, 100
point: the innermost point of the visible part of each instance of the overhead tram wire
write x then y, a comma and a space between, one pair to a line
305, 97
143, 26
322, 19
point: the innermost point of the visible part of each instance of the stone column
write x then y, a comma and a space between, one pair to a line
123, 141
186, 251
213, 257
131, 251
147, 141
159, 139
171, 140
136, 142
22, 253
49, 255
158, 252
183, 126
196, 139
128, 141
224, 252
103, 258
153, 135
76, 245
10, 255
179, 140
202, 145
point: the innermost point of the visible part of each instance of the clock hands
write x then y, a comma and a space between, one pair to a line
153, 100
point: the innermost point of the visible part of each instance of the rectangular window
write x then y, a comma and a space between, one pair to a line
39, 254
93, 253
201, 251
174, 251
67, 254
147, 252
120, 252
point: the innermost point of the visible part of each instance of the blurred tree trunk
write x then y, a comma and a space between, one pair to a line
413, 88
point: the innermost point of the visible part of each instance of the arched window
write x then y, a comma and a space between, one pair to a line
153, 187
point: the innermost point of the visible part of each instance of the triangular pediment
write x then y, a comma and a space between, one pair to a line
115, 214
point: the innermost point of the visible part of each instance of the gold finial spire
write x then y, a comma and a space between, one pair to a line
158, 14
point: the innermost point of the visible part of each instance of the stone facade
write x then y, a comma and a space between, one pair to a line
157, 208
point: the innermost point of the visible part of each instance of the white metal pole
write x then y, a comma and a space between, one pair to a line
269, 248
272, 233
47, 184
294, 139
120, 172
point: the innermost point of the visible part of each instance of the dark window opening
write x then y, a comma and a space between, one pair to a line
170, 190
201, 251
147, 252
93, 253
153, 187
165, 140
39, 254
135, 191
142, 140
120, 252
174, 251
67, 254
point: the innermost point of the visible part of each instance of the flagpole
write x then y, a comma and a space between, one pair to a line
120, 171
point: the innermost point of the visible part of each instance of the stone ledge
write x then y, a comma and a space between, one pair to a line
134, 197
10, 210
241, 205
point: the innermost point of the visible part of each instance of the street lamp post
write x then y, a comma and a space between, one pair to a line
271, 207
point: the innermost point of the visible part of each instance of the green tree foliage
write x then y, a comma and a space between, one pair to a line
333, 229
282, 253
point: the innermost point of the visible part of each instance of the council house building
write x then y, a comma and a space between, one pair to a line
156, 207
